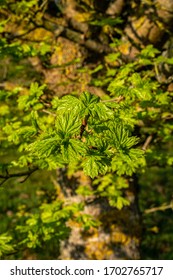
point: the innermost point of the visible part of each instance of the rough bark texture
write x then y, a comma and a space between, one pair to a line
118, 236
147, 28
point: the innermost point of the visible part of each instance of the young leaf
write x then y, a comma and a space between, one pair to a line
67, 103
44, 148
5, 246
73, 149
89, 99
93, 165
67, 125
120, 137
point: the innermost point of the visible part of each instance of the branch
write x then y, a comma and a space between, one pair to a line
83, 126
160, 208
47, 112
147, 142
20, 174
75, 36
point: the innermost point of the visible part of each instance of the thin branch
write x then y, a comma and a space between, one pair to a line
83, 126
47, 112
3, 181
147, 142
117, 99
62, 65
20, 174
43, 4
160, 208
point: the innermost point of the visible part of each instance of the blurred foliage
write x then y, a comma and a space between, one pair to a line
125, 131
157, 225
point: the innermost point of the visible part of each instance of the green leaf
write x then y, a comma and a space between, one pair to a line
5, 246
78, 147
102, 112
32, 99
120, 137
26, 132
121, 202
127, 162
67, 103
117, 88
44, 148
98, 68
44, 48
73, 149
141, 88
36, 90
67, 125
112, 57
106, 21
89, 99
93, 165
149, 52
87, 221
84, 190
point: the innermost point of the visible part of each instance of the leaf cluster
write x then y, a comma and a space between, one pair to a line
87, 131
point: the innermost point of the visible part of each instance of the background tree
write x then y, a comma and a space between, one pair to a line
108, 139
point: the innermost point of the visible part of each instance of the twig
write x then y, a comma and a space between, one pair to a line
43, 4
3, 181
20, 174
147, 142
161, 208
49, 113
83, 126
117, 99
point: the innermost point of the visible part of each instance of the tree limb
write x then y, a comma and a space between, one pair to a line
160, 208
20, 174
